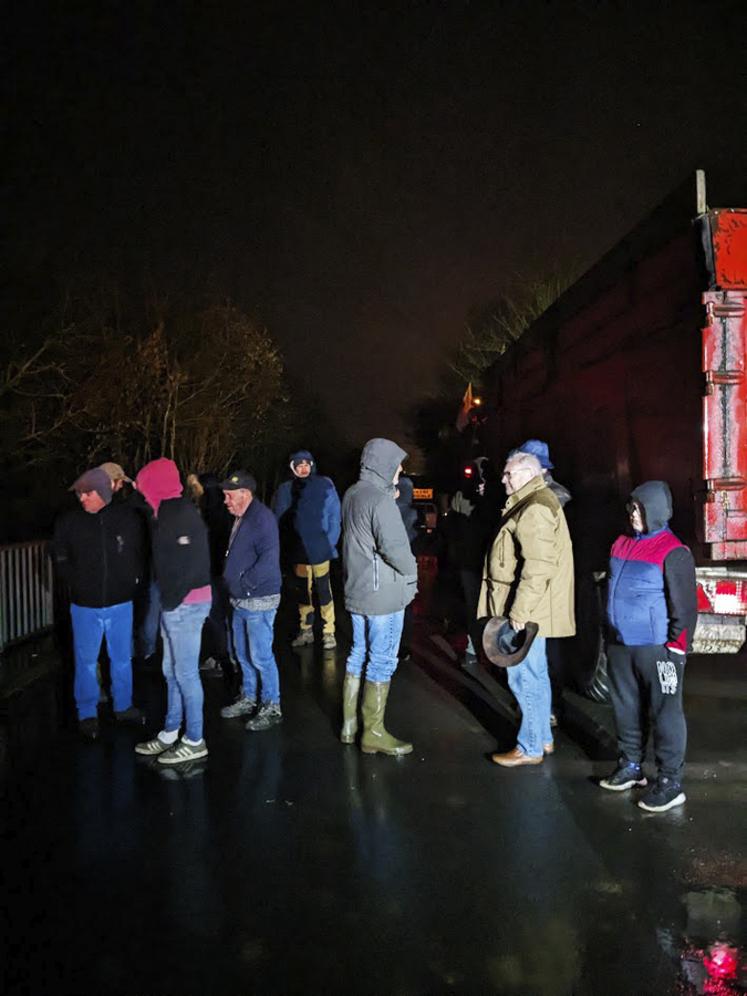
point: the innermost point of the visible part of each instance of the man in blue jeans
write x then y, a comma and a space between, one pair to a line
253, 580
528, 577
99, 552
380, 581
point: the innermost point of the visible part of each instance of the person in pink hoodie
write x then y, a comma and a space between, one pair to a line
181, 569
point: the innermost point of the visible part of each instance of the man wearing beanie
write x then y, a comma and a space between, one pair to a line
308, 512
99, 552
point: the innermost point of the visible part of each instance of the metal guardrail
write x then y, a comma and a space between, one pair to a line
26, 591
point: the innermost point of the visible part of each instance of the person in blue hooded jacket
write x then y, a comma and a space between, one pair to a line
307, 508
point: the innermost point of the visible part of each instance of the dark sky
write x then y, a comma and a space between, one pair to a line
357, 176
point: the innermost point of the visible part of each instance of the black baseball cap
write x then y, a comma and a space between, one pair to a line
238, 480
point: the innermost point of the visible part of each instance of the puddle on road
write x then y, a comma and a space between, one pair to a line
709, 952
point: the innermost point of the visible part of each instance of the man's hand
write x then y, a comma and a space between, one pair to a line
518, 626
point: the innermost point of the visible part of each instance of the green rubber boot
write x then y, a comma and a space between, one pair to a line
375, 738
350, 688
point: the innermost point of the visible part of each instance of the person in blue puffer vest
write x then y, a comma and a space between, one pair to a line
307, 508
652, 611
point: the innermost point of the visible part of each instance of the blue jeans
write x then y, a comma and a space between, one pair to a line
181, 630
89, 627
253, 633
530, 683
379, 636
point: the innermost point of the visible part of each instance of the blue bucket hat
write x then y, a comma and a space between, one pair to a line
539, 449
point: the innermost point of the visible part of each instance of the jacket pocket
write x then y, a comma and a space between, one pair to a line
375, 573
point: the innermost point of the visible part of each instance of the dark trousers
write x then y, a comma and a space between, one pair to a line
216, 633
405, 643
647, 682
471, 582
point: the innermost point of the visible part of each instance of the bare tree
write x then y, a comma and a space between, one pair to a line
494, 327
203, 389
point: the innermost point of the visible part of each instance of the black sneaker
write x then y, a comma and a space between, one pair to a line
625, 776
241, 706
183, 753
664, 794
130, 717
268, 715
89, 728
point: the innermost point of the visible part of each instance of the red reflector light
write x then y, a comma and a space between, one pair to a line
722, 961
704, 602
727, 597
468, 471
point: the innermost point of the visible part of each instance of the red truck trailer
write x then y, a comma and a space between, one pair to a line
636, 373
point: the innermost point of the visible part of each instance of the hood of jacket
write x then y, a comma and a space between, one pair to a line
405, 486
379, 461
303, 455
656, 499
158, 481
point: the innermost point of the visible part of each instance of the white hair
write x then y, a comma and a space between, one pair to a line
528, 461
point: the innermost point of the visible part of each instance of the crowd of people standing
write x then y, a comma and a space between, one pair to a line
144, 556
141, 557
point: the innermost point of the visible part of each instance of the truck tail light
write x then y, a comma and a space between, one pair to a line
726, 597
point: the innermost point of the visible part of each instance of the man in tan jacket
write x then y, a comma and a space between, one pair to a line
528, 577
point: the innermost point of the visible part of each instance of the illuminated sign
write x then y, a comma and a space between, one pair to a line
422, 494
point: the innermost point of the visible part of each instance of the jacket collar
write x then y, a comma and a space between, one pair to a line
536, 484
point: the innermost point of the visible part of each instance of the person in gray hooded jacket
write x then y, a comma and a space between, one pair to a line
380, 575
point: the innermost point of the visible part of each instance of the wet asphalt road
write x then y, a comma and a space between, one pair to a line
287, 863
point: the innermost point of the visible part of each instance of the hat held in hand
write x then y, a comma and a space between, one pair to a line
504, 645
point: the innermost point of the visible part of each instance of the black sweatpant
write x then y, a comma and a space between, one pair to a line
647, 682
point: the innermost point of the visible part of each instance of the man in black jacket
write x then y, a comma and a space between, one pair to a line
99, 551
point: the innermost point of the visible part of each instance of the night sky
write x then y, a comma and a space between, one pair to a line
358, 177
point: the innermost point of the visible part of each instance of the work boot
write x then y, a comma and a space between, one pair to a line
328, 641
130, 717
350, 689
304, 639
89, 728
375, 738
